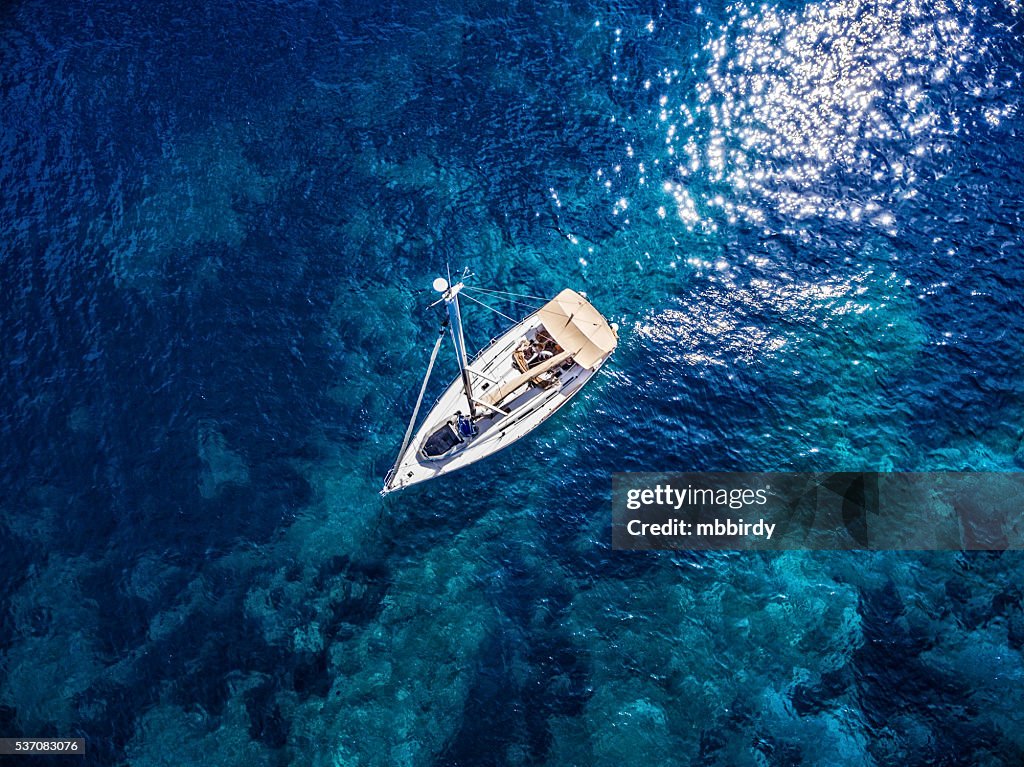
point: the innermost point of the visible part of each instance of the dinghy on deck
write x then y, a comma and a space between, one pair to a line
511, 387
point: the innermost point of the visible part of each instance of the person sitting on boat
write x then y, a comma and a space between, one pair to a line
521, 355
466, 427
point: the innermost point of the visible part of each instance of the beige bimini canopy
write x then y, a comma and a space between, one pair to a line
578, 328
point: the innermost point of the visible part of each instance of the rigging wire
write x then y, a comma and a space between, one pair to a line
419, 401
487, 306
507, 293
531, 307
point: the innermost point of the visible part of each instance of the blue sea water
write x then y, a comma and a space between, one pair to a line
220, 221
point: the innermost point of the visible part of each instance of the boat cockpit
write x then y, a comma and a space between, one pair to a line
533, 350
448, 437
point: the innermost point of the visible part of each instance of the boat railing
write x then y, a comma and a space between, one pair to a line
477, 356
480, 353
490, 343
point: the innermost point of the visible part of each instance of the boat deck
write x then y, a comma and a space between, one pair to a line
526, 408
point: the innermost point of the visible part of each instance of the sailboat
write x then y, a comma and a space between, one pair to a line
508, 389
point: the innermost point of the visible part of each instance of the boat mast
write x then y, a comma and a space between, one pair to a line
451, 300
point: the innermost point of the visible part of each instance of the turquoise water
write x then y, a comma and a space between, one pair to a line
220, 225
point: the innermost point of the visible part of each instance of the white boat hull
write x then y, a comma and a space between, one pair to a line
528, 407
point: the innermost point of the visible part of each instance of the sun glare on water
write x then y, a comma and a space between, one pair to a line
797, 112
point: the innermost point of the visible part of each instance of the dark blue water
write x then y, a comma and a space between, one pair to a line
219, 226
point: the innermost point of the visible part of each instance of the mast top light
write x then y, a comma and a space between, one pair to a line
440, 284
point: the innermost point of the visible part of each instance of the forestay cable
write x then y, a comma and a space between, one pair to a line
419, 401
